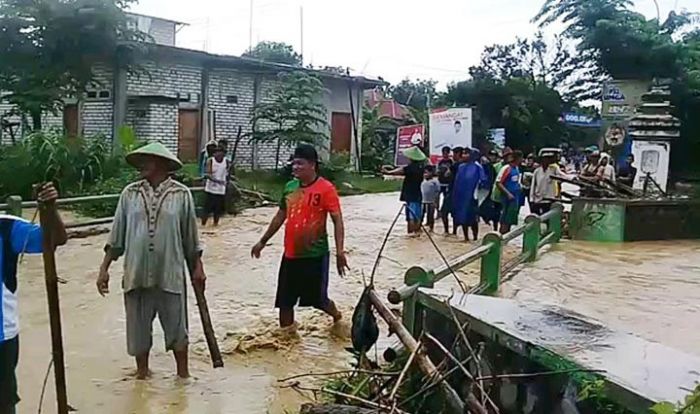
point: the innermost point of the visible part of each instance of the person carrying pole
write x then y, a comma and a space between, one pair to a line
155, 229
18, 236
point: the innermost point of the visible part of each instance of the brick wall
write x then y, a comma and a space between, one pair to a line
96, 114
48, 121
228, 115
166, 79
155, 122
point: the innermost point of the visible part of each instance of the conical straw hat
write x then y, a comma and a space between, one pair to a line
154, 149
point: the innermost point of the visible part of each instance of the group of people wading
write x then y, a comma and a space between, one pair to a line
467, 187
155, 233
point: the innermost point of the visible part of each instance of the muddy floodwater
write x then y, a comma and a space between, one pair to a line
650, 289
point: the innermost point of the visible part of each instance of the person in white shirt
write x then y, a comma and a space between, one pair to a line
606, 172
544, 188
215, 187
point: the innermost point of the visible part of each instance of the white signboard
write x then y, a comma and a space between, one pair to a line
498, 137
451, 127
651, 157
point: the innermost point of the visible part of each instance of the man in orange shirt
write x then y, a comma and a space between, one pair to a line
306, 203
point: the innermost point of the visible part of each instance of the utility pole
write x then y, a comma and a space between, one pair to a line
301, 32
250, 27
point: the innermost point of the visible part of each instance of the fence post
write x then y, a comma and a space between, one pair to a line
554, 223
531, 237
491, 262
14, 205
414, 276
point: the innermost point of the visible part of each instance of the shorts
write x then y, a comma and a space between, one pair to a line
142, 306
9, 355
214, 204
446, 208
303, 281
511, 210
414, 210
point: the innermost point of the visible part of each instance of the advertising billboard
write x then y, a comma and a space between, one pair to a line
451, 127
406, 137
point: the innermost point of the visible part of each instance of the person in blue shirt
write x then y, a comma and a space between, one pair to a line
18, 236
511, 191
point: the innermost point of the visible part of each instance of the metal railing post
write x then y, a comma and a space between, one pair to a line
414, 275
531, 237
491, 263
554, 223
14, 205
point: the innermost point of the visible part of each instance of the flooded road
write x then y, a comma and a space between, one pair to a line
651, 289
648, 288
240, 292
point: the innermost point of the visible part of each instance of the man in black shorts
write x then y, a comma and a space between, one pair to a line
306, 203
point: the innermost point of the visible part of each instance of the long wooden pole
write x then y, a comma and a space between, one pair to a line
424, 363
47, 213
207, 326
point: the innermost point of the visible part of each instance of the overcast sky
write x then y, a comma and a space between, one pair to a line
394, 39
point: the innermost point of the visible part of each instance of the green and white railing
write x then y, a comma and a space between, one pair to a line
490, 254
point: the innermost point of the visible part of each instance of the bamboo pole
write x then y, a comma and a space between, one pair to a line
455, 404
47, 212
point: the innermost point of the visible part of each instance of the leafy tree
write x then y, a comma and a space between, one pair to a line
378, 138
551, 64
529, 111
415, 94
274, 52
293, 113
623, 44
49, 48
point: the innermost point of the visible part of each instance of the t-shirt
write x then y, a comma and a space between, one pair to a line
307, 209
543, 186
509, 177
430, 190
413, 177
443, 167
16, 235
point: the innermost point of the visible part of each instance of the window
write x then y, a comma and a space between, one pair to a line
98, 94
232, 99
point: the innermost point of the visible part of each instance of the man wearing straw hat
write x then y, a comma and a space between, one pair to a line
155, 229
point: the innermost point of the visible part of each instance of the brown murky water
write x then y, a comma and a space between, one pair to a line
240, 292
650, 289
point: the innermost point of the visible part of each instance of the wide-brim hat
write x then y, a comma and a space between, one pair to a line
549, 152
414, 154
154, 149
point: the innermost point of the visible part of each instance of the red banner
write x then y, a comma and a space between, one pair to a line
406, 137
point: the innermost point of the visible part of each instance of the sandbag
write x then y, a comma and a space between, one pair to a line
364, 332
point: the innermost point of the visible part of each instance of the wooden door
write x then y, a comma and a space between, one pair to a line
341, 132
70, 120
188, 135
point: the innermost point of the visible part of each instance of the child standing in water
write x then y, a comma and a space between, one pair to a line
430, 190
